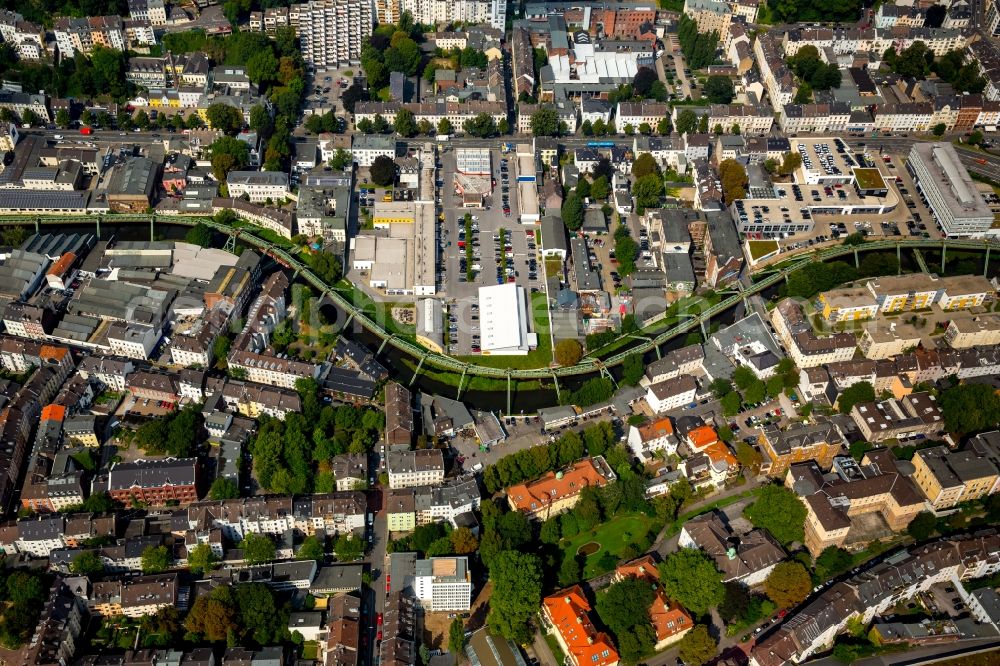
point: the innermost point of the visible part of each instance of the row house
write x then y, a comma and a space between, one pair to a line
267, 369
873, 591
821, 118
144, 385
109, 371
904, 117
888, 16
456, 112
566, 112
777, 78
135, 597
253, 399
947, 478
26, 38
915, 414
752, 119
408, 508
155, 482
807, 349
334, 513
639, 113
18, 355
83, 34
415, 468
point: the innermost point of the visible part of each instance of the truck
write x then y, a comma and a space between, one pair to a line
86, 131
443, 137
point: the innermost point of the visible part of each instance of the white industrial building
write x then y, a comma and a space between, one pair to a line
504, 318
950, 192
473, 161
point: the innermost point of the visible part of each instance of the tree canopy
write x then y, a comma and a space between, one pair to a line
968, 408
383, 171
697, 647
517, 594
624, 608
545, 122
257, 548
689, 577
778, 510
719, 89
788, 584
855, 394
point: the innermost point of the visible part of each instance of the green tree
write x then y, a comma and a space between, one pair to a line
405, 123
463, 541
517, 594
940, 129
545, 122
719, 89
262, 68
689, 576
341, 160
969, 408
832, 562
572, 212
155, 559
62, 118
200, 234
922, 526
855, 394
225, 118
788, 584
644, 165
456, 637
779, 511
568, 352
571, 570
687, 122
734, 179
633, 369
349, 548
223, 488
735, 602
731, 403
87, 563
444, 127
697, 647
383, 171
600, 189
311, 549
212, 616
624, 608
201, 559
228, 154
647, 191
257, 548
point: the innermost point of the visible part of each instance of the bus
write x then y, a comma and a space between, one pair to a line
600, 144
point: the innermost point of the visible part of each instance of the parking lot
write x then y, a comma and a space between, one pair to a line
495, 258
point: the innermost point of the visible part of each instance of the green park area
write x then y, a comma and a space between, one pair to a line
601, 546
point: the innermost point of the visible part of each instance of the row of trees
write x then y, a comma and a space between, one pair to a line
531, 463
751, 389
698, 47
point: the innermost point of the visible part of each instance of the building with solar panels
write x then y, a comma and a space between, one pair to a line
948, 188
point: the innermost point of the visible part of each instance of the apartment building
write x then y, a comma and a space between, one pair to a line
566, 614
804, 347
963, 333
332, 32
155, 482
260, 186
914, 414
647, 442
437, 12
674, 363
671, 393
884, 342
333, 513
833, 501
83, 34
266, 369
947, 478
820, 442
135, 597
415, 468
443, 583
555, 492
848, 304
874, 591
711, 15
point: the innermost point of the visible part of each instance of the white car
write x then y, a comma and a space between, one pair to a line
58, 137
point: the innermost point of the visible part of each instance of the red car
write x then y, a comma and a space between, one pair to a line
378, 619
378, 637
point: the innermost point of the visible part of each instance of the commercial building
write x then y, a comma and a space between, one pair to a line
504, 321
443, 583
555, 492
332, 32
415, 468
949, 190
566, 615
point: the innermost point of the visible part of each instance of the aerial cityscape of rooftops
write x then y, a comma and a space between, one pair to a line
430, 333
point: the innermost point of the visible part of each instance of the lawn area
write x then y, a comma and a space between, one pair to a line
763, 248
557, 651
309, 650
612, 536
541, 357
